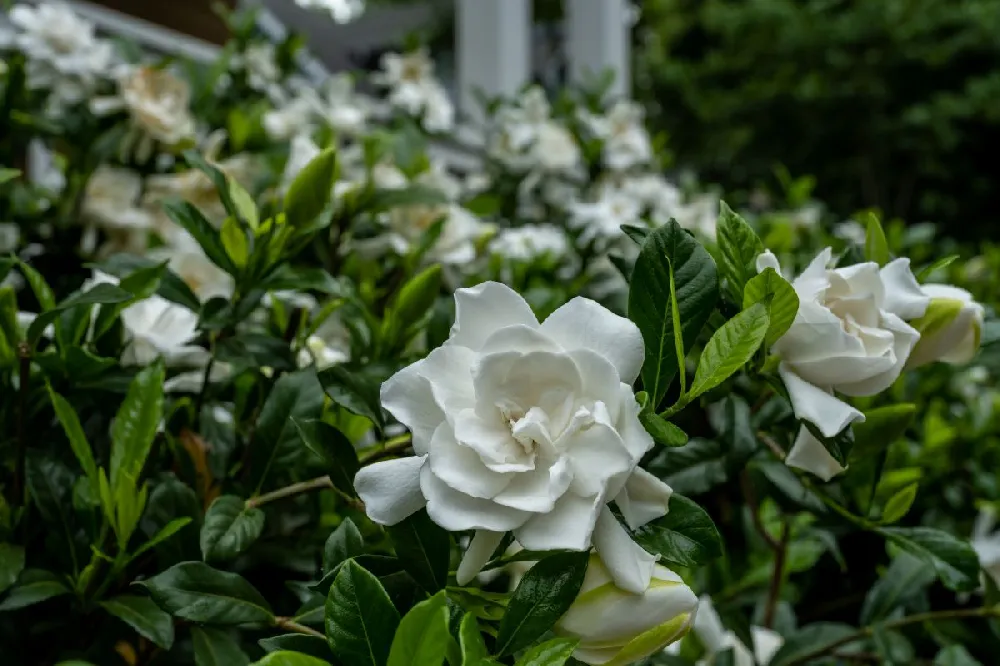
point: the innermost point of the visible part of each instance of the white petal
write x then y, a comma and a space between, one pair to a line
461, 467
766, 644
596, 455
537, 379
391, 489
485, 309
708, 626
904, 338
519, 338
814, 281
817, 406
808, 453
601, 381
630, 566
584, 324
481, 548
635, 437
643, 499
568, 526
767, 260
449, 370
488, 436
407, 396
903, 295
537, 491
458, 512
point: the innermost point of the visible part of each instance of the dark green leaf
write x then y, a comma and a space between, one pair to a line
197, 592
136, 423
953, 559
663, 431
168, 530
739, 247
697, 289
306, 644
98, 294
882, 426
353, 392
955, 655
230, 528
785, 482
810, 640
43, 292
33, 586
360, 619
305, 278
414, 301
555, 652
50, 482
11, 564
686, 536
310, 192
694, 468
424, 549
295, 396
729, 349
422, 637
544, 594
382, 566
343, 543
778, 296
288, 658
636, 233
216, 647
192, 221
171, 286
333, 447
74, 433
876, 247
906, 577
938, 265
143, 615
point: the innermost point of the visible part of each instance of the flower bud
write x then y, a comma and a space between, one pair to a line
616, 628
950, 329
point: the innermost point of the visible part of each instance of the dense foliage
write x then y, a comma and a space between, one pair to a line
284, 382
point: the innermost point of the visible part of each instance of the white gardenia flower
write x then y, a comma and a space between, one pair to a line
715, 638
186, 258
616, 627
986, 543
342, 11
524, 427
626, 141
698, 214
290, 119
604, 218
413, 89
261, 65
849, 336
950, 329
530, 242
333, 104
526, 137
110, 203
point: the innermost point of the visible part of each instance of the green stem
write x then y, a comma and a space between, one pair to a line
289, 624
387, 448
319, 483
24, 379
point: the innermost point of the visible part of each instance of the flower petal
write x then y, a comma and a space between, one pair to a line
537, 491
765, 260
596, 455
458, 512
904, 338
461, 468
903, 295
519, 338
584, 324
630, 566
484, 309
391, 489
643, 499
492, 440
811, 403
601, 381
808, 453
407, 395
568, 526
480, 549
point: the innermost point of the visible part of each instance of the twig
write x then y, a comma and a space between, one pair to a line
288, 491
24, 379
777, 576
289, 624
751, 497
390, 447
771, 444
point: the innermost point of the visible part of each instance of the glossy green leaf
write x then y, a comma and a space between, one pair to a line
33, 587
168, 530
234, 241
74, 433
204, 233
333, 447
135, 425
813, 639
729, 349
309, 194
197, 592
289, 658
414, 301
876, 246
670, 250
244, 204
952, 558
230, 528
216, 647
542, 596
899, 504
352, 391
662, 431
778, 296
905, 578
422, 637
424, 548
143, 615
470, 640
11, 564
882, 426
555, 652
43, 292
96, 295
955, 655
296, 396
739, 247
686, 536
933, 268
343, 543
306, 644
360, 619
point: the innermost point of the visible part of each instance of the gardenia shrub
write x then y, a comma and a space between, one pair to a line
281, 385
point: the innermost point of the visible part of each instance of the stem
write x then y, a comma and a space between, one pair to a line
777, 576
388, 448
771, 444
289, 491
918, 618
291, 625
24, 379
751, 498
205, 380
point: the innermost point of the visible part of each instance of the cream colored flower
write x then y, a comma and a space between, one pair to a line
110, 203
950, 329
414, 89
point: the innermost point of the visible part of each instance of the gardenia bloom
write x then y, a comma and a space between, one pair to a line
604, 218
848, 336
715, 638
413, 88
626, 141
261, 65
334, 104
526, 137
110, 203
950, 329
529, 242
342, 11
616, 627
526, 427
186, 258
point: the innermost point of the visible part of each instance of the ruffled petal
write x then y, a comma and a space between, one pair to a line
643, 499
630, 566
903, 295
808, 453
569, 525
537, 491
480, 549
583, 324
904, 338
461, 468
391, 489
519, 338
601, 382
596, 454
407, 396
458, 512
486, 308
821, 408
765, 260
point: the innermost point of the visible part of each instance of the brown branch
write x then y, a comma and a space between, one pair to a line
777, 576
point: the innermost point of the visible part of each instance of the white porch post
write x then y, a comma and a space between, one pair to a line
493, 50
598, 38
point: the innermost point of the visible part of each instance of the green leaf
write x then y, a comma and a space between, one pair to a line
306, 644
244, 204
51, 482
192, 221
470, 639
544, 594
415, 300
218, 178
953, 559
382, 200
310, 192
98, 294
143, 615
33, 586
288, 658
813, 639
424, 548
422, 637
74, 433
876, 247
333, 447
343, 543
955, 655
353, 392
230, 528
8, 319
197, 592
729, 349
135, 425
882, 426
170, 529
295, 396
899, 504
778, 296
11, 564
662, 431
675, 323
43, 292
905, 578
636, 233
938, 265
171, 286
235, 243
686, 536
739, 247
7, 175
650, 305
555, 652
215, 647
360, 619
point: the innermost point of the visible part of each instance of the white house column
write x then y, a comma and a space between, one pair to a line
598, 38
493, 50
